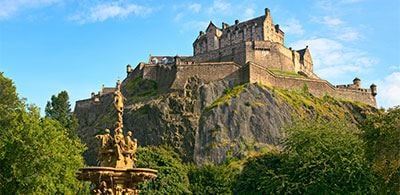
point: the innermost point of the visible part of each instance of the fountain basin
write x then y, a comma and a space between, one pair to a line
117, 178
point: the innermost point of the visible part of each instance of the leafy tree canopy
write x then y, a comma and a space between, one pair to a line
36, 154
212, 179
318, 158
59, 109
381, 133
172, 173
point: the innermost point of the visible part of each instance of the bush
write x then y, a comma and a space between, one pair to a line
172, 173
212, 179
381, 133
318, 158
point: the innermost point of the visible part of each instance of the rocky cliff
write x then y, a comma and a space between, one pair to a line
209, 122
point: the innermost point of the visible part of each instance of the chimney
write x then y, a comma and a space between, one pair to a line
224, 25
201, 33
236, 22
267, 11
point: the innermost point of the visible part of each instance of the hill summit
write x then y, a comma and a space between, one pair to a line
236, 92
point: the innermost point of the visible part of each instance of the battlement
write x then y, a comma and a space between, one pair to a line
249, 51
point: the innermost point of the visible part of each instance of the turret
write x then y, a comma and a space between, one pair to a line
224, 25
177, 60
128, 69
357, 82
373, 90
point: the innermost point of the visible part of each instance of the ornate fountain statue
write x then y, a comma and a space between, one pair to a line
116, 172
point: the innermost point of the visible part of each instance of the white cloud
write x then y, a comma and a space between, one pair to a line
194, 25
293, 26
331, 21
389, 90
248, 13
9, 8
394, 67
350, 1
102, 12
195, 7
333, 60
349, 34
220, 6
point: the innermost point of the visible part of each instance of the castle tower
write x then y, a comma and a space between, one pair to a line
357, 82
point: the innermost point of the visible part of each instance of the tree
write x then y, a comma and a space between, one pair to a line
212, 179
381, 132
36, 155
172, 173
318, 158
59, 109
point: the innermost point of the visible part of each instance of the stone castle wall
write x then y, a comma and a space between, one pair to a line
269, 54
174, 76
316, 87
257, 29
247, 51
207, 72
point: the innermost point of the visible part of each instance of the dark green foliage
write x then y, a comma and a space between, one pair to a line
381, 133
212, 179
318, 158
8, 95
59, 109
172, 173
36, 154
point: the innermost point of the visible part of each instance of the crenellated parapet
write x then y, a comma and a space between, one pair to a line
249, 51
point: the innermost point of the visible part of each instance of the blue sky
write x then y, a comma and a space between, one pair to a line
51, 45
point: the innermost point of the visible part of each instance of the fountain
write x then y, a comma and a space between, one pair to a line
116, 159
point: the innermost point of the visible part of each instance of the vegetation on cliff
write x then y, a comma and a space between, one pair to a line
381, 133
318, 157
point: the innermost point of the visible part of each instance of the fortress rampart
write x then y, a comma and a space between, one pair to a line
317, 87
250, 51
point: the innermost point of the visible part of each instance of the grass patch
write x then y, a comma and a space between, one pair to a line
139, 89
305, 105
286, 73
227, 96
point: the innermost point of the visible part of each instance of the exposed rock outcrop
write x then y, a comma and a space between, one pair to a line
208, 122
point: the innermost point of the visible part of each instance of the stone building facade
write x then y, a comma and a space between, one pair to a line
249, 51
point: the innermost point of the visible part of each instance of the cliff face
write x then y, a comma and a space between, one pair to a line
208, 122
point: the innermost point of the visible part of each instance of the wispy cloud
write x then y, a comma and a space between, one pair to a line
389, 90
332, 59
248, 13
105, 11
331, 21
293, 26
220, 6
350, 1
394, 67
10, 8
349, 34
195, 7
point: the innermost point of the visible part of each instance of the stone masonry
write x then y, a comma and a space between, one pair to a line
249, 51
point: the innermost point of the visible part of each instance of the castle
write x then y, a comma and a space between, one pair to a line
249, 51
